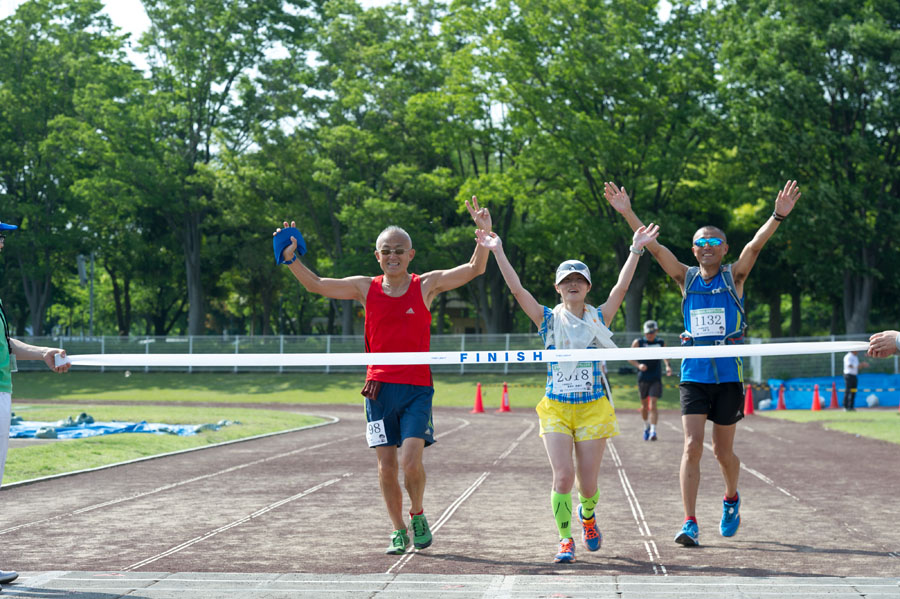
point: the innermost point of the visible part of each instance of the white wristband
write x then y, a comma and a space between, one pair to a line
634, 250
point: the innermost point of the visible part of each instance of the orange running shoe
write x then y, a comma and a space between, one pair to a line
590, 534
566, 553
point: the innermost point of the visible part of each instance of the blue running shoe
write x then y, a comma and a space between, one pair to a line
731, 517
590, 534
689, 535
653, 436
566, 553
646, 434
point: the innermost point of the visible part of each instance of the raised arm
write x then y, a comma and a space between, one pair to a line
438, 281
531, 307
784, 204
642, 237
349, 288
619, 200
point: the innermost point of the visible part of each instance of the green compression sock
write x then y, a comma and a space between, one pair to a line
562, 511
588, 504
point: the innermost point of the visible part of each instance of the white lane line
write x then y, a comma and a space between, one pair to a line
464, 424
174, 485
43, 578
502, 587
514, 444
188, 481
451, 509
238, 522
760, 476
638, 513
750, 470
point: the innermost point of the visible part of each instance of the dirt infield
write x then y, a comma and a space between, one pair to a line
815, 504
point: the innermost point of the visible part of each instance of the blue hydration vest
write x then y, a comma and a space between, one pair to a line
713, 315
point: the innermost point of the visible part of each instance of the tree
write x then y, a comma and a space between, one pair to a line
606, 91
51, 54
812, 89
202, 55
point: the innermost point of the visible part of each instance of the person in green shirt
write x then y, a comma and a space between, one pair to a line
10, 351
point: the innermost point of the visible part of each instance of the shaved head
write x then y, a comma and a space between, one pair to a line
392, 231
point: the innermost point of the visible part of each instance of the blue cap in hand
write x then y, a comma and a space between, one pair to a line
282, 240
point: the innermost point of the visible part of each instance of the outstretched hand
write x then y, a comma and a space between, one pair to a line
288, 253
645, 235
488, 239
883, 344
49, 358
617, 198
481, 216
787, 197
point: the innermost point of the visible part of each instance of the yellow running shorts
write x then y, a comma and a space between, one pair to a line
582, 421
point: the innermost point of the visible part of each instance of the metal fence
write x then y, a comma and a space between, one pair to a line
756, 369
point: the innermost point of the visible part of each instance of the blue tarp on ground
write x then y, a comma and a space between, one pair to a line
798, 393
28, 430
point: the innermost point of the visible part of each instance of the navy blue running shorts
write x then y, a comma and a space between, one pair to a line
400, 412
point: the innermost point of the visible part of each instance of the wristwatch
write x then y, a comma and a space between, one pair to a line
634, 250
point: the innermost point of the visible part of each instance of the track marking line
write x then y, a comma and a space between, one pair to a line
637, 513
174, 485
230, 525
760, 476
188, 481
464, 424
451, 509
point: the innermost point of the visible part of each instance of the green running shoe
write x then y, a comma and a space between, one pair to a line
399, 542
421, 532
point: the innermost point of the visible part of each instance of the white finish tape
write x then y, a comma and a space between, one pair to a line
466, 357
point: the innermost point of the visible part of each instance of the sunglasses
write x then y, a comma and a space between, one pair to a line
573, 267
705, 241
398, 252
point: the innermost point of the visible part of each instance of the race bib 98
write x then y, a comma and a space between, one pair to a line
375, 433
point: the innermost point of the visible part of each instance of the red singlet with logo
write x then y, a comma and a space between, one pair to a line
398, 324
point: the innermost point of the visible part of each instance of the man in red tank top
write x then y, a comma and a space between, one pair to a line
398, 398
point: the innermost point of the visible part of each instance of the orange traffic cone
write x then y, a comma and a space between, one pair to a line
781, 405
834, 403
504, 402
479, 406
748, 401
816, 404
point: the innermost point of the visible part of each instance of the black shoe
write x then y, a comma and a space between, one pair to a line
7, 577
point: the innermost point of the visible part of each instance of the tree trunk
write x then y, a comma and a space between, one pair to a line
634, 295
796, 312
858, 291
347, 317
122, 300
775, 329
37, 292
192, 241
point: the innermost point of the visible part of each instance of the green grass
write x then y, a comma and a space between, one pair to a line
875, 424
78, 390
525, 390
24, 463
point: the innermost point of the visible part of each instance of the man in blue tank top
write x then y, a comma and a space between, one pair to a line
711, 388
